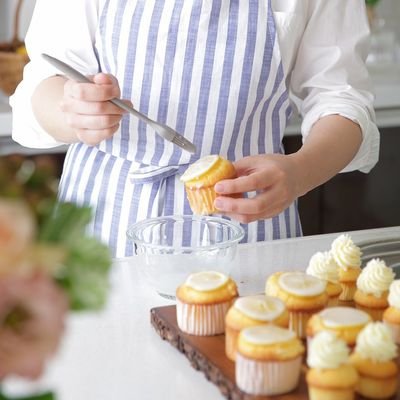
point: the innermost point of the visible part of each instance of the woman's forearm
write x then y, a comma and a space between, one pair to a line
330, 146
46, 101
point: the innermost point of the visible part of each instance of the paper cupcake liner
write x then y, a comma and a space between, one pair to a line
298, 322
231, 337
348, 291
395, 329
315, 393
202, 319
202, 200
267, 378
375, 313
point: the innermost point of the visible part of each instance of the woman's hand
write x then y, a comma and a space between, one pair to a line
275, 178
87, 110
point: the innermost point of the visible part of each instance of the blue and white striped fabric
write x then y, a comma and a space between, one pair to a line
210, 69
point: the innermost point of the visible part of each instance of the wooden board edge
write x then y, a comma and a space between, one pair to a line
196, 359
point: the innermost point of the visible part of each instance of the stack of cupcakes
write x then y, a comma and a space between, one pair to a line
374, 358
252, 311
303, 295
331, 376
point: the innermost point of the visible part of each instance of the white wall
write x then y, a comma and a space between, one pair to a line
7, 9
387, 9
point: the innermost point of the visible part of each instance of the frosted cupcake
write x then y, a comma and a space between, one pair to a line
345, 322
391, 316
200, 179
348, 257
330, 376
303, 295
271, 285
324, 267
252, 311
374, 358
268, 360
203, 301
373, 288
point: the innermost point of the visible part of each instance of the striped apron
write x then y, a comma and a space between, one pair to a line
212, 70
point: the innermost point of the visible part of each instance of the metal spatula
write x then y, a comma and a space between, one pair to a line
164, 131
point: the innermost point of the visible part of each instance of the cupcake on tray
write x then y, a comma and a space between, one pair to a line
391, 316
348, 257
323, 266
331, 376
271, 285
200, 178
251, 311
203, 301
303, 295
374, 358
373, 288
268, 361
345, 322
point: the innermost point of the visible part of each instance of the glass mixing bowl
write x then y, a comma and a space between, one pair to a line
173, 247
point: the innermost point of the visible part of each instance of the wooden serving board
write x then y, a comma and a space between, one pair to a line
207, 354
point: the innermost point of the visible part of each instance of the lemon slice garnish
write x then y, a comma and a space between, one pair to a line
336, 317
260, 308
267, 334
199, 167
206, 280
301, 284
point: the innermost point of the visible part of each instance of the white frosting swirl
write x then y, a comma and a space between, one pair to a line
375, 278
346, 253
375, 343
327, 351
205, 281
260, 308
322, 265
394, 294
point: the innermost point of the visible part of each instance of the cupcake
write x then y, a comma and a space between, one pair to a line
200, 178
303, 295
271, 285
391, 316
203, 301
268, 360
373, 288
251, 311
331, 376
345, 322
348, 257
374, 358
324, 267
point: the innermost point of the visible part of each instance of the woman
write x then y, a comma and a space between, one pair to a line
225, 74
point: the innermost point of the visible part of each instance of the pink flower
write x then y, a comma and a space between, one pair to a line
32, 312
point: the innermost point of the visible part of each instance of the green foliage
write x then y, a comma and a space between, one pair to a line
371, 2
84, 273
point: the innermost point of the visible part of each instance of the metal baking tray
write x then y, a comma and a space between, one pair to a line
385, 249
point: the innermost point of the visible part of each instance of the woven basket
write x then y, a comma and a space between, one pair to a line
12, 58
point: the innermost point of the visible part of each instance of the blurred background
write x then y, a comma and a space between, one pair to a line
348, 202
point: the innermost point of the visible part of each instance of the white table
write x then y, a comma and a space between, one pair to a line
116, 354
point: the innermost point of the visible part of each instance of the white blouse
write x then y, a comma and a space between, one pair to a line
323, 45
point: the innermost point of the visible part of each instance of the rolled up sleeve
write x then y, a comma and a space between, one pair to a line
330, 76
64, 29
